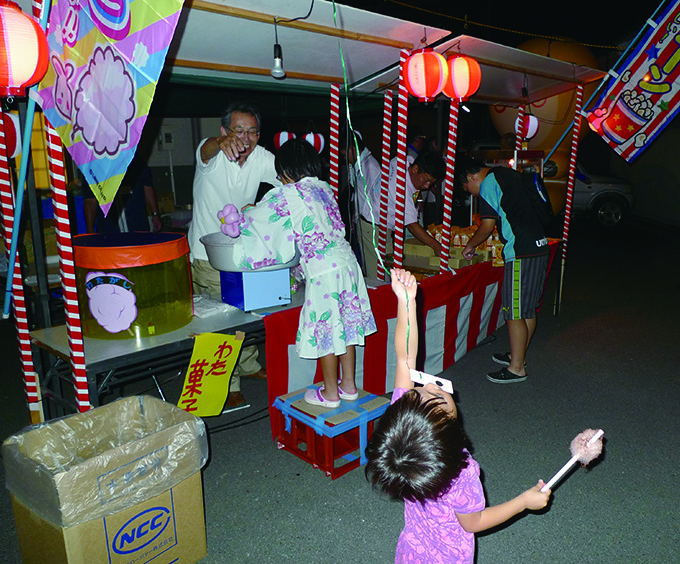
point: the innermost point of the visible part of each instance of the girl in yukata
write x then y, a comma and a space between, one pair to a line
303, 216
418, 454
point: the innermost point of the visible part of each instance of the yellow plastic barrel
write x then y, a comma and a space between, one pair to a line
132, 285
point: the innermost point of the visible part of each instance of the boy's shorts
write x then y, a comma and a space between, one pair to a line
523, 283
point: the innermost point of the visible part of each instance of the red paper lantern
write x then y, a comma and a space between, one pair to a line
425, 74
24, 53
316, 140
12, 134
281, 137
464, 77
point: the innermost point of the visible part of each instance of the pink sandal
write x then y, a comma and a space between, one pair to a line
314, 397
347, 396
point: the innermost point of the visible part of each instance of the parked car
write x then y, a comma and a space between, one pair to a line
607, 198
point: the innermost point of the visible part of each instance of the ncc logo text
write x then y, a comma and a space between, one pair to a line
141, 530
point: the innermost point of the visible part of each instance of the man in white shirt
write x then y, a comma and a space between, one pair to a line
421, 174
364, 176
229, 169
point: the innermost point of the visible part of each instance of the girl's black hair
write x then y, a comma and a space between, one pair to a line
297, 159
416, 451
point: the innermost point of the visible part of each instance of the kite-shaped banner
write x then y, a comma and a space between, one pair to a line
105, 60
645, 96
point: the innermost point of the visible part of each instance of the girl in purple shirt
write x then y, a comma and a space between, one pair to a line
418, 454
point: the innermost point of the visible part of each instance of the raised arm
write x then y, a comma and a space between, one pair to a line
232, 146
491, 516
405, 287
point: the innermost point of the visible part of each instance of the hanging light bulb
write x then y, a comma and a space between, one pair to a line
277, 69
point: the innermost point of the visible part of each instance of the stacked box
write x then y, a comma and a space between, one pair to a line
117, 484
333, 440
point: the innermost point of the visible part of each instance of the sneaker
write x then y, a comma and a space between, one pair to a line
502, 358
504, 376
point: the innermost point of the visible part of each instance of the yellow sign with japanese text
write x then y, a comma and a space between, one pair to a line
206, 384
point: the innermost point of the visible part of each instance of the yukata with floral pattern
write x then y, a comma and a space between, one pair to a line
303, 217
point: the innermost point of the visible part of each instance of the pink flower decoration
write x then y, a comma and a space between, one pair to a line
230, 218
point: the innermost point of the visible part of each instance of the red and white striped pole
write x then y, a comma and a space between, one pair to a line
570, 184
31, 386
55, 157
521, 129
448, 185
384, 184
402, 117
572, 167
334, 147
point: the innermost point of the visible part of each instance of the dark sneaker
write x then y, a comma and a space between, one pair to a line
501, 358
504, 376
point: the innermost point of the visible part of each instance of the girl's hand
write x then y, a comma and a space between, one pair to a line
404, 284
535, 499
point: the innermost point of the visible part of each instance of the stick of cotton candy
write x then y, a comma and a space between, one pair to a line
585, 448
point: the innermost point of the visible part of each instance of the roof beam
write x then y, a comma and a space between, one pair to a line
222, 67
303, 25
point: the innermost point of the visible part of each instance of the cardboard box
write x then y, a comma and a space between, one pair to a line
333, 440
168, 528
119, 484
415, 248
256, 290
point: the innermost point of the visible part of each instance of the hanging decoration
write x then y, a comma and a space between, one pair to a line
425, 74
464, 77
281, 137
644, 95
316, 140
10, 123
106, 57
24, 51
529, 128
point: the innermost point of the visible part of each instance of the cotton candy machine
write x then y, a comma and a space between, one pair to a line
247, 289
222, 256
132, 285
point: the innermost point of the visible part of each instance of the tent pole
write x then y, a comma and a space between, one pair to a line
570, 185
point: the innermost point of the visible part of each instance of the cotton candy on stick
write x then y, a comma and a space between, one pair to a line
585, 448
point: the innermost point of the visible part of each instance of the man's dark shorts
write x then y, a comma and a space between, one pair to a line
523, 283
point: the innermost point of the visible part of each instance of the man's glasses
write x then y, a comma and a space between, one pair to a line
252, 132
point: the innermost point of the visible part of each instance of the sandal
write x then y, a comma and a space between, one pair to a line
347, 396
314, 397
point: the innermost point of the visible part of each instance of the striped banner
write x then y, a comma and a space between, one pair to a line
400, 199
448, 185
30, 376
334, 147
55, 157
384, 184
645, 93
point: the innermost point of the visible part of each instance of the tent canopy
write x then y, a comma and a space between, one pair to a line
232, 42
